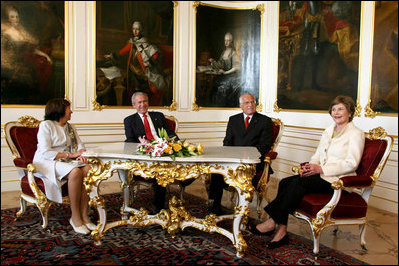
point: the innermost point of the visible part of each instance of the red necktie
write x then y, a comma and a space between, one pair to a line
247, 122
147, 129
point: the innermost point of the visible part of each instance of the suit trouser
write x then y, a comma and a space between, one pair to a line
159, 195
217, 185
290, 192
159, 191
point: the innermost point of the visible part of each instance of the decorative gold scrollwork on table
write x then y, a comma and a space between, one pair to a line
98, 171
167, 173
177, 214
242, 178
176, 217
96, 201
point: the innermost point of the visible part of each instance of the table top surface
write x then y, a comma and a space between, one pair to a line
221, 154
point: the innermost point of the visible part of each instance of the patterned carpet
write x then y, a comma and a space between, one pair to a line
25, 242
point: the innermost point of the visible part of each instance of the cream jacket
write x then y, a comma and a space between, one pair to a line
341, 155
52, 139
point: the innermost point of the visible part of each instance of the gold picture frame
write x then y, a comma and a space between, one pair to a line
126, 62
383, 93
223, 70
318, 55
33, 52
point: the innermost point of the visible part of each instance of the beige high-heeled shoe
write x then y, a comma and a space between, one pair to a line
91, 226
79, 229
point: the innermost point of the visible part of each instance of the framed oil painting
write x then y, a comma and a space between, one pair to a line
134, 51
32, 52
384, 80
227, 55
318, 53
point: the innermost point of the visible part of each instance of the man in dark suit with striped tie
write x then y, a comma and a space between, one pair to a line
144, 124
248, 128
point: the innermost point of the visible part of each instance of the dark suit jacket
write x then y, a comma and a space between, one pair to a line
134, 126
258, 134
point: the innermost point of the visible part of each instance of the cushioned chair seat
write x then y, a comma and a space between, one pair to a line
28, 191
350, 206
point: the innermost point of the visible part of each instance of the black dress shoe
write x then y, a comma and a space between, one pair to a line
277, 244
252, 228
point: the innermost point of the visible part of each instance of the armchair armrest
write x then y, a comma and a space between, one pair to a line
271, 155
40, 196
22, 162
356, 181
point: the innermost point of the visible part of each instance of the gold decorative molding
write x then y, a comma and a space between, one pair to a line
358, 108
297, 170
173, 106
195, 107
337, 184
165, 173
276, 108
240, 178
259, 107
376, 133
175, 3
196, 4
261, 8
277, 121
96, 105
322, 219
368, 111
28, 121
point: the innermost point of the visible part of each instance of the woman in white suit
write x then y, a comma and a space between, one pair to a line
338, 154
58, 159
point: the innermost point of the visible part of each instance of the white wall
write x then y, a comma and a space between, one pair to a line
303, 129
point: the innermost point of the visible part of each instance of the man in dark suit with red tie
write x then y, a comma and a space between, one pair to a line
248, 128
144, 124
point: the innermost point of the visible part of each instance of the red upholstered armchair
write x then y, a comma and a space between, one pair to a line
264, 176
21, 137
324, 210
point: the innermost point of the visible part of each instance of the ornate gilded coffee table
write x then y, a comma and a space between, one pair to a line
236, 164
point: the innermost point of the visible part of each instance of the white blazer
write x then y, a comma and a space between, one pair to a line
341, 155
52, 139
